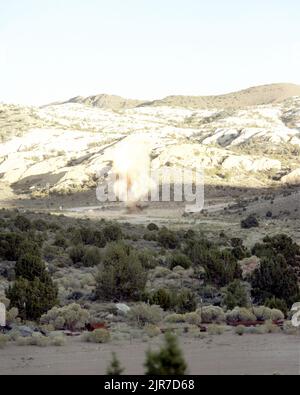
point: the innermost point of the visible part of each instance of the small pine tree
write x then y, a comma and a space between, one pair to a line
33, 292
22, 223
29, 266
168, 239
163, 298
115, 368
279, 304
168, 361
122, 276
275, 278
236, 295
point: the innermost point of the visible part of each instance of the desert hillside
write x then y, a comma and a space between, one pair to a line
111, 102
259, 95
60, 149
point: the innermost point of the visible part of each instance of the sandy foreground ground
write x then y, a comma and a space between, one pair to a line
227, 354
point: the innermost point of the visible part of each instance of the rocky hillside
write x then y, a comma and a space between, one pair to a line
111, 102
60, 149
259, 95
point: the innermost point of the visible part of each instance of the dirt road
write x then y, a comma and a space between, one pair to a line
227, 354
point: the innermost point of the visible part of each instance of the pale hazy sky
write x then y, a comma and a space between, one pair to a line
56, 49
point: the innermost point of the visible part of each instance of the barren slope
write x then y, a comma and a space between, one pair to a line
61, 149
259, 95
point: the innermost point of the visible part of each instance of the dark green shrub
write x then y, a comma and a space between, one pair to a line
40, 225
185, 302
13, 245
30, 266
167, 239
60, 240
275, 278
32, 298
115, 368
92, 257
250, 222
284, 245
152, 227
198, 250
116, 252
113, 232
263, 251
2, 223
236, 242
147, 259
221, 266
50, 253
163, 298
75, 236
236, 295
168, 361
122, 276
76, 254
87, 235
54, 226
22, 223
150, 236
179, 259
99, 239
33, 292
240, 253
278, 304
189, 234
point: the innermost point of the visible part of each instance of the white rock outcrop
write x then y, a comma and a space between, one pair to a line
292, 178
69, 144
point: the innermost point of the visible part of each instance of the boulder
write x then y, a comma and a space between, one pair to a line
292, 178
123, 308
249, 164
24, 331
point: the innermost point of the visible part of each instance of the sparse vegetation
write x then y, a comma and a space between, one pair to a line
143, 314
91, 257
212, 314
240, 314
180, 260
177, 281
98, 336
71, 317
240, 330
3, 341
